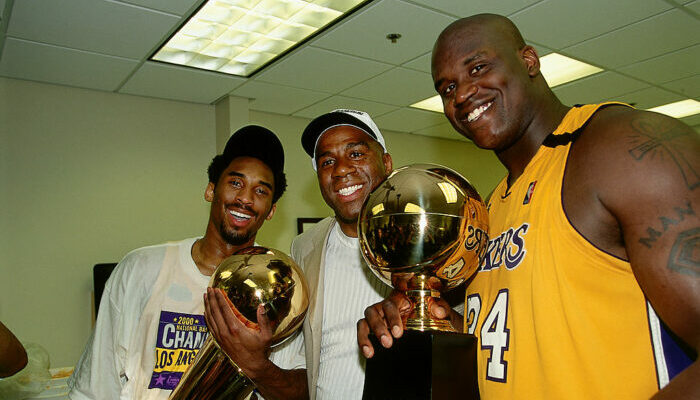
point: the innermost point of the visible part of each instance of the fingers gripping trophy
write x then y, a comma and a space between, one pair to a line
423, 231
251, 277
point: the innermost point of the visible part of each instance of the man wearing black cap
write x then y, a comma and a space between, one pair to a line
150, 323
349, 156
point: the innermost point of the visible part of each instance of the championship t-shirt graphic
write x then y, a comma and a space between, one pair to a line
180, 336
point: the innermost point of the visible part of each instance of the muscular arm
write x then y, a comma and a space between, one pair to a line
250, 349
13, 357
643, 170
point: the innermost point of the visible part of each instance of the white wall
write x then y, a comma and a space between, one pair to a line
87, 176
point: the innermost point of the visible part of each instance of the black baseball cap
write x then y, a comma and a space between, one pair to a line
258, 142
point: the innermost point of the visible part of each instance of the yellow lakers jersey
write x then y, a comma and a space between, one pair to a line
556, 317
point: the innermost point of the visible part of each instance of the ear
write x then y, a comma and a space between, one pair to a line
272, 212
531, 60
209, 192
388, 163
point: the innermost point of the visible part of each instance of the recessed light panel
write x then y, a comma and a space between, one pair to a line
241, 36
431, 104
679, 109
558, 69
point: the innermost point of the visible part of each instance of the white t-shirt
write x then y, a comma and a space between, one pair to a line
349, 288
149, 326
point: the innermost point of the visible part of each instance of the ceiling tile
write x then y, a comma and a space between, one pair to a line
364, 34
332, 103
276, 98
45, 63
688, 87
544, 22
595, 88
694, 5
693, 120
541, 50
104, 27
399, 86
652, 37
179, 7
409, 120
648, 98
422, 63
668, 67
156, 80
444, 130
460, 8
321, 70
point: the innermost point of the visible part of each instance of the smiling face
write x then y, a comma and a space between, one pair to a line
350, 164
241, 200
483, 73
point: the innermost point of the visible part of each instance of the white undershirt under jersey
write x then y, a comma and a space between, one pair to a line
349, 287
150, 325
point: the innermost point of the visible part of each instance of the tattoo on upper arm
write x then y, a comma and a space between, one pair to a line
685, 253
666, 222
659, 138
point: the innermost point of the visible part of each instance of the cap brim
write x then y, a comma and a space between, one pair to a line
326, 121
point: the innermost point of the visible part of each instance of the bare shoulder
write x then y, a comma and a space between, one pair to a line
640, 145
629, 167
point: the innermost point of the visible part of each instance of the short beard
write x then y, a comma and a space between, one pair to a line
347, 221
232, 237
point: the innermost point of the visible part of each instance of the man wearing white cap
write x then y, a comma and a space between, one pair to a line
349, 155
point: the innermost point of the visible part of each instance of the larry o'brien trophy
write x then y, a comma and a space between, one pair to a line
252, 276
423, 231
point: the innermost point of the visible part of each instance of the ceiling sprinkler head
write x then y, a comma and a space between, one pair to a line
393, 37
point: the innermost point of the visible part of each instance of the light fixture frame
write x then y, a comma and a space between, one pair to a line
266, 64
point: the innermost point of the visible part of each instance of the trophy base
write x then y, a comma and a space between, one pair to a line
423, 365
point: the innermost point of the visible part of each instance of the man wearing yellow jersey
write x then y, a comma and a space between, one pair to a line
594, 233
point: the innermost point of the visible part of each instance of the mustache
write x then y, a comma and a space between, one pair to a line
242, 206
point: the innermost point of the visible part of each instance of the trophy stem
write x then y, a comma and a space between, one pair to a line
212, 376
419, 319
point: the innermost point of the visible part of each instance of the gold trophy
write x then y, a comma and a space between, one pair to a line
423, 231
252, 276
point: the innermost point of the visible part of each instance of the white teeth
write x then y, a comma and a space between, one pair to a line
347, 191
239, 215
477, 113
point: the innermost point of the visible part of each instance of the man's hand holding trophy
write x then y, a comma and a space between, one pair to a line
267, 292
423, 231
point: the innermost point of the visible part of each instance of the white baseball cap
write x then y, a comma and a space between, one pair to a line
340, 117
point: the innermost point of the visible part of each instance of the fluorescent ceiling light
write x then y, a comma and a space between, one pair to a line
679, 109
555, 68
431, 104
558, 69
240, 37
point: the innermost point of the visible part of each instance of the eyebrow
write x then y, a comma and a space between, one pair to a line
471, 59
355, 144
347, 146
240, 175
467, 61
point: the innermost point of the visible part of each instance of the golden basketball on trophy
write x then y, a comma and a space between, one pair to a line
251, 277
424, 231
